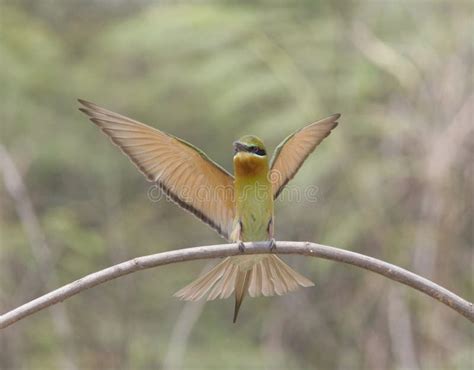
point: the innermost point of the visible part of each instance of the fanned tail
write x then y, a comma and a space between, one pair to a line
268, 276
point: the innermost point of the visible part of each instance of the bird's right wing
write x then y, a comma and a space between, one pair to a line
183, 172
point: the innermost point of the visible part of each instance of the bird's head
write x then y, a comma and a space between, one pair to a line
250, 157
250, 144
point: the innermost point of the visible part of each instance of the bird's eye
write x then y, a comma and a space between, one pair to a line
257, 150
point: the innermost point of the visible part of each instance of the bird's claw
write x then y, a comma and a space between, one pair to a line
272, 244
241, 246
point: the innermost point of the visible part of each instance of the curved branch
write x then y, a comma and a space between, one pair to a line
388, 270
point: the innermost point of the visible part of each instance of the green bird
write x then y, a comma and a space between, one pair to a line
239, 208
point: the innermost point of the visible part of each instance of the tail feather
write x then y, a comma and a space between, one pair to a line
268, 288
199, 287
293, 275
279, 286
241, 287
268, 276
225, 286
256, 281
229, 284
287, 279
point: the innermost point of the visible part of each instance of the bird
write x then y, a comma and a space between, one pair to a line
239, 208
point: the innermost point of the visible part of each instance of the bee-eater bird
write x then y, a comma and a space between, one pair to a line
239, 208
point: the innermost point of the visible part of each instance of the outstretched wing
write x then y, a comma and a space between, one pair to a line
292, 152
183, 172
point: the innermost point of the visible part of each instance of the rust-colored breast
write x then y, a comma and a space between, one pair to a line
248, 165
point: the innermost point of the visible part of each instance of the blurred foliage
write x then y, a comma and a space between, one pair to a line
395, 178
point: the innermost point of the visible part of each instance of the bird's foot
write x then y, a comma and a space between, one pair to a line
272, 244
241, 246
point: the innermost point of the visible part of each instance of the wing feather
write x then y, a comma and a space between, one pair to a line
183, 172
292, 152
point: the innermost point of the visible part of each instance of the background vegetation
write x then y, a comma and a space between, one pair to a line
395, 179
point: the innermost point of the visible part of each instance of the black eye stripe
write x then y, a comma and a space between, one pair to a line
257, 150
239, 147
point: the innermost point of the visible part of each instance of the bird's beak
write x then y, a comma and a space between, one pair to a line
239, 147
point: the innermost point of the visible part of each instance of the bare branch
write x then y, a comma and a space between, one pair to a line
41, 251
388, 270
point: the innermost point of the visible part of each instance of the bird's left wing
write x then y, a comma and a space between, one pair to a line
292, 152
183, 172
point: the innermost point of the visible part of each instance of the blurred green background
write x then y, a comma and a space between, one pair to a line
395, 178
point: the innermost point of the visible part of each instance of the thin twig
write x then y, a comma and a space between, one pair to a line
16, 188
388, 270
